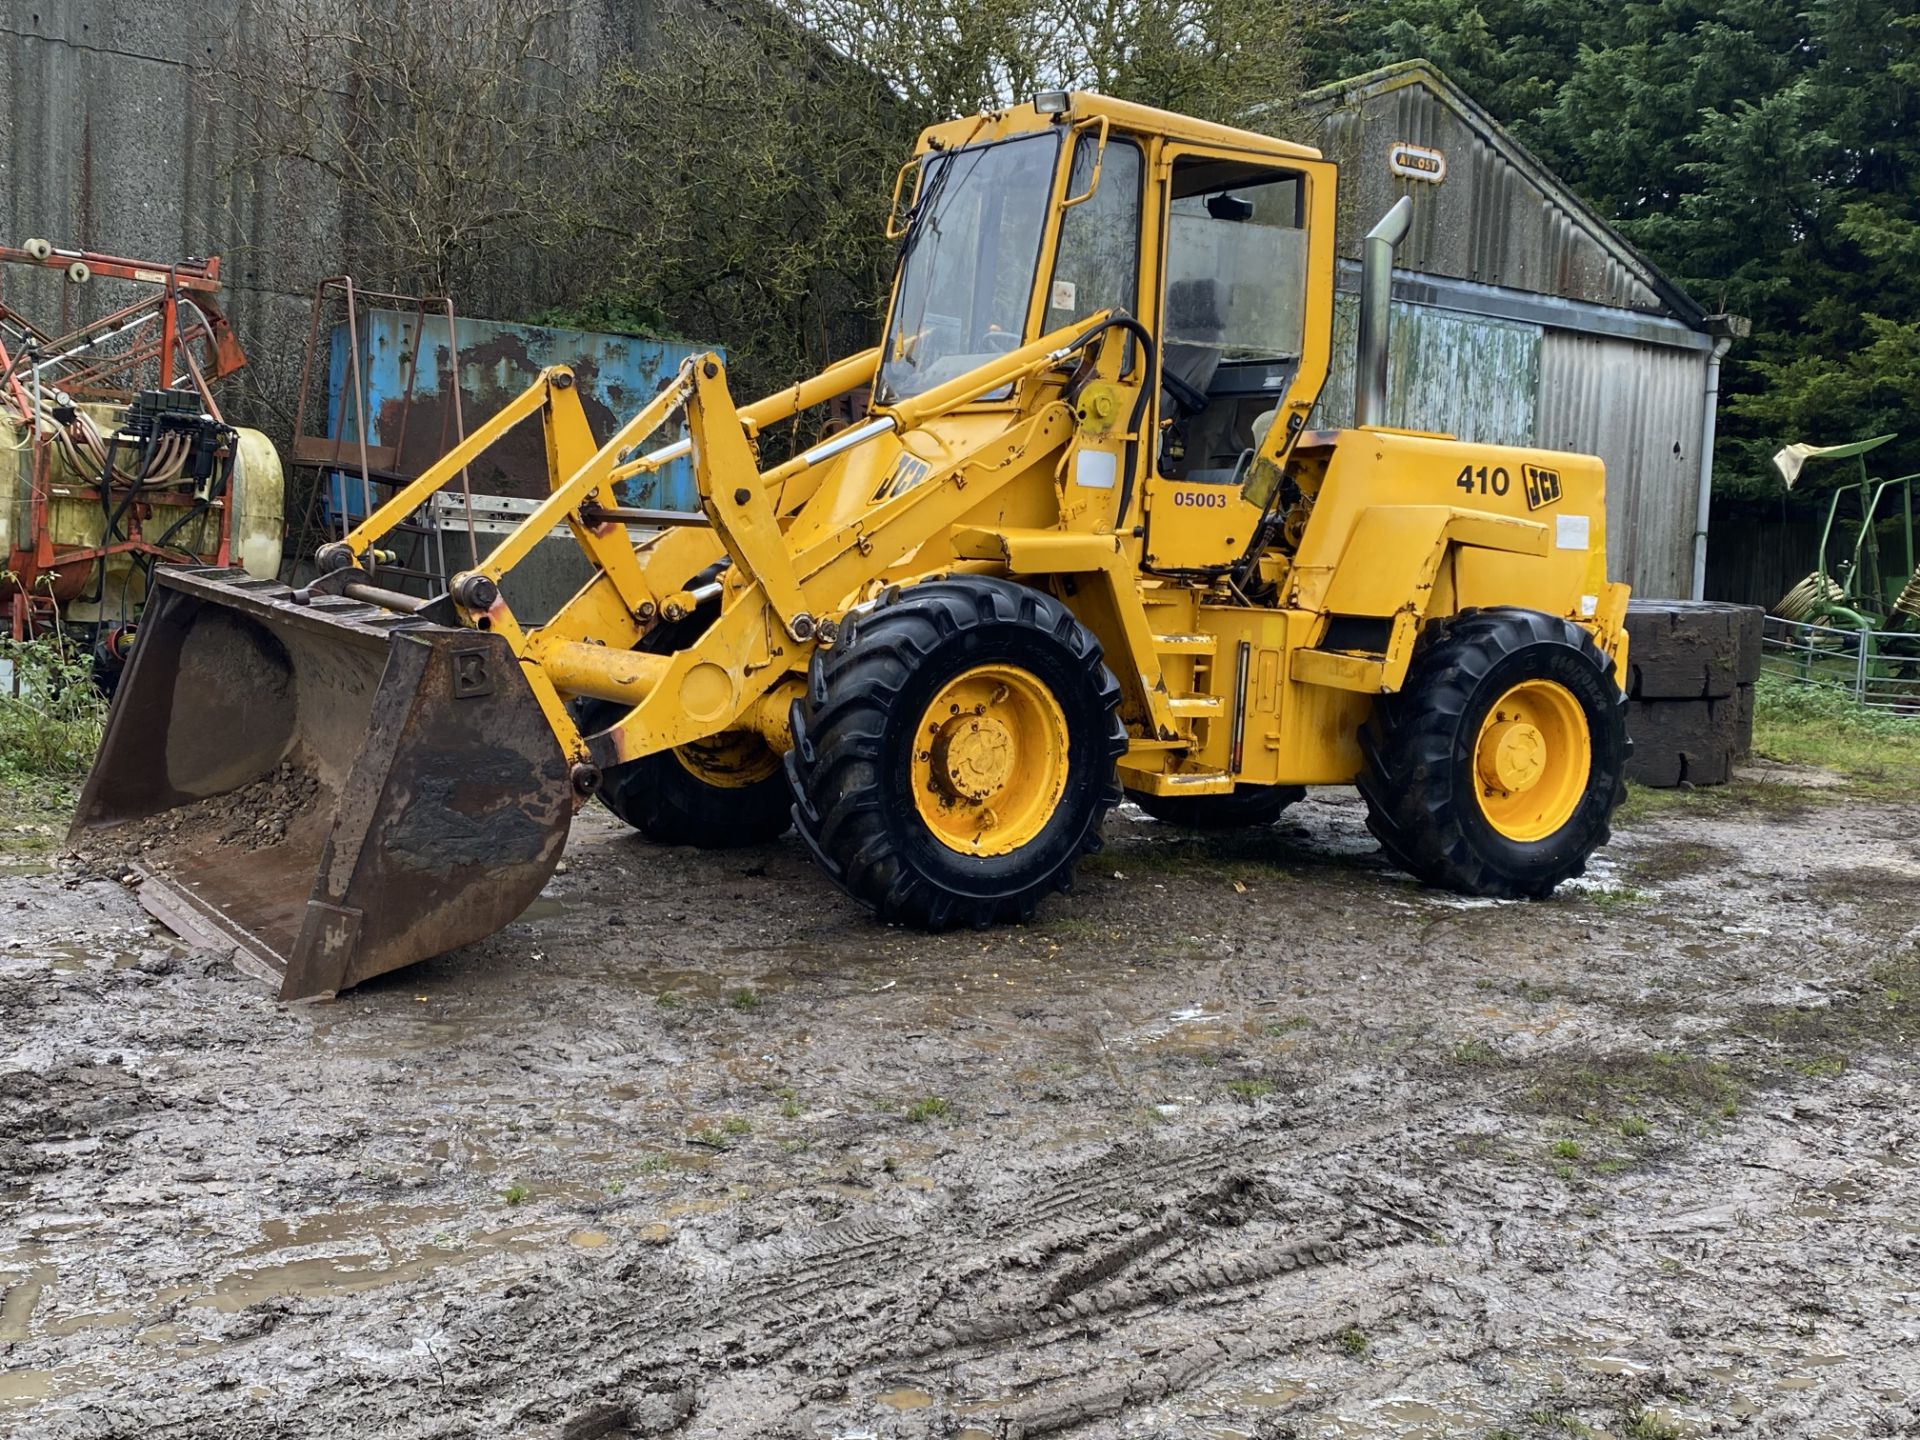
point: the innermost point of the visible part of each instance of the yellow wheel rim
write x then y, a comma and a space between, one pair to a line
732, 760
1532, 759
990, 760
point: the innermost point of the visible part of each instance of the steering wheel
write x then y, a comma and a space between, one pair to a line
1002, 342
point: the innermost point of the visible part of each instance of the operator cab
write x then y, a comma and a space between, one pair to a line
1026, 232
1233, 311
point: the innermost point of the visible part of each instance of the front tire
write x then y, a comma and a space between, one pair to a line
723, 793
1496, 768
954, 754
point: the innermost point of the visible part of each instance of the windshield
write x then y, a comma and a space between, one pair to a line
967, 265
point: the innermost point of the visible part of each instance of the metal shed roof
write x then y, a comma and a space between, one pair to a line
1498, 218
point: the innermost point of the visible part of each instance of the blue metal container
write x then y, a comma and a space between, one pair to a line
617, 374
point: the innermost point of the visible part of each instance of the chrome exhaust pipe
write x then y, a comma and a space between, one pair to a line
1376, 304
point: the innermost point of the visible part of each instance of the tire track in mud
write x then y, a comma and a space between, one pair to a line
861, 1299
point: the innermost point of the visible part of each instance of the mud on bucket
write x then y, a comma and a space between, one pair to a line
330, 790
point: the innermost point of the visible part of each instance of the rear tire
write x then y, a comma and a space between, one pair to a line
954, 754
1496, 768
1247, 806
724, 793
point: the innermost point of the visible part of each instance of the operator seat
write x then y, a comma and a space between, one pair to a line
1188, 363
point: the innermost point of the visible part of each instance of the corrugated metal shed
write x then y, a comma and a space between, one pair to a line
1520, 315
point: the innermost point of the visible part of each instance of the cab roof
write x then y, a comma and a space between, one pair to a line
1123, 115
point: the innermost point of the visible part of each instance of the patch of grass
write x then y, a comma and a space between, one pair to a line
1076, 927
1558, 1420
1566, 1149
794, 1144
721, 1136
790, 1108
1877, 751
1632, 1127
742, 999
515, 1194
667, 1000
1644, 802
652, 1165
1645, 1425
51, 716
1250, 1090
1677, 861
1475, 1052
1601, 1089
1353, 1340
1617, 897
928, 1107
1884, 1011
1277, 1028
1751, 797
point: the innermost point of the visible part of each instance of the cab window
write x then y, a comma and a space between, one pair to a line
1233, 313
1098, 262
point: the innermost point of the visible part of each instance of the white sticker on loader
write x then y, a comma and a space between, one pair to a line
1570, 532
1096, 469
1063, 295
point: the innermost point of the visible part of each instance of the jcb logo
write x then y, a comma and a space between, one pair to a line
1543, 486
907, 474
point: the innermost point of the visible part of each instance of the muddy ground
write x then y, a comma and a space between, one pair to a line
1248, 1137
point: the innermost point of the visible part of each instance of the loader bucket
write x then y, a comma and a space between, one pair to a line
329, 790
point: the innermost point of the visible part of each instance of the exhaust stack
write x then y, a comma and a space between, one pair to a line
1376, 302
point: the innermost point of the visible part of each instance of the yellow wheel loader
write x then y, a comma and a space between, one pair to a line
1083, 542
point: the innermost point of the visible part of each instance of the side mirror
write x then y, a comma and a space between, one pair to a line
896, 223
1099, 155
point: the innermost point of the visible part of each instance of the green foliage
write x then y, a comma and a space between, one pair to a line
52, 714
1877, 749
931, 1107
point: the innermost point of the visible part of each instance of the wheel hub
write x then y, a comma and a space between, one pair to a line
972, 757
1531, 760
1513, 756
989, 763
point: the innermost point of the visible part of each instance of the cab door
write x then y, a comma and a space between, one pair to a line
1245, 292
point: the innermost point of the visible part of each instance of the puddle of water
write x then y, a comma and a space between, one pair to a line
1270, 1398
905, 1397
347, 1274
16, 1315
25, 1387
589, 1239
